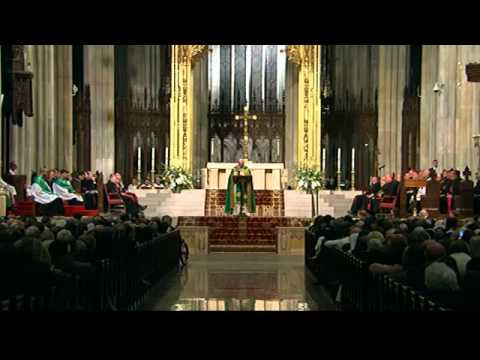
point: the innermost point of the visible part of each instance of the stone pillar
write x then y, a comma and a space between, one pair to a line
291, 112
450, 116
392, 80
45, 139
99, 74
200, 115
1, 117
428, 106
64, 106
34, 144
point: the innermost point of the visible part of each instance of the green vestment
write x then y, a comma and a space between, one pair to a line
234, 192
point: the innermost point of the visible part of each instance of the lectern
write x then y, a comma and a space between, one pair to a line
242, 181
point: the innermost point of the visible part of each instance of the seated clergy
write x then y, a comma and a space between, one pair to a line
361, 202
125, 192
10, 192
114, 186
43, 195
449, 188
89, 190
63, 188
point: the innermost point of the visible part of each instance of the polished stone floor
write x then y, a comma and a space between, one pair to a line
240, 282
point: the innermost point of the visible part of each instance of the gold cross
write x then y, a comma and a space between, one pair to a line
245, 117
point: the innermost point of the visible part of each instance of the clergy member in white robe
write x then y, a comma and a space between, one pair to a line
50, 203
64, 189
10, 191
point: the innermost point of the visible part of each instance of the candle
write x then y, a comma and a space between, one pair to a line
211, 147
353, 159
166, 155
278, 146
324, 158
139, 159
153, 159
339, 159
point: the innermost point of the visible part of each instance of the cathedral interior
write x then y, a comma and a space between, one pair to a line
348, 111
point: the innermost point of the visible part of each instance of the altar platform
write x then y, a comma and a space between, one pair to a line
209, 234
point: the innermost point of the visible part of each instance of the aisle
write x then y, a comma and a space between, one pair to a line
240, 282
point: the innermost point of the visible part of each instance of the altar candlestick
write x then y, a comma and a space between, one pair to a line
153, 159
324, 158
353, 159
339, 159
139, 160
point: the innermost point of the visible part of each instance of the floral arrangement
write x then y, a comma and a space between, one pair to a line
177, 179
309, 180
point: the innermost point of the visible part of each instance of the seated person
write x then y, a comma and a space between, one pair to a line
89, 190
389, 188
130, 194
64, 189
476, 195
361, 202
10, 192
43, 195
449, 188
114, 186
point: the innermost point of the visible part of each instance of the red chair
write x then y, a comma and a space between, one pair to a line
113, 200
388, 203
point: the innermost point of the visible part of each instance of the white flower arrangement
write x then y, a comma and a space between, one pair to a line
309, 180
177, 179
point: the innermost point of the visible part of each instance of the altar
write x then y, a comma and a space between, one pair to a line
268, 176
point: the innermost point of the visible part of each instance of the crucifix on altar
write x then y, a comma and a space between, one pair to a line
245, 117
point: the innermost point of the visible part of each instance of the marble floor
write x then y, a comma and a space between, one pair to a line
240, 282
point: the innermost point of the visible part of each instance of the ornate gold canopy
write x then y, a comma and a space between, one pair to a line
307, 57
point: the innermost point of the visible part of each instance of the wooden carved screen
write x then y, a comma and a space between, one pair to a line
410, 133
140, 124
82, 129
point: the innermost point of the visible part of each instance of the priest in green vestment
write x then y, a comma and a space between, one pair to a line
233, 195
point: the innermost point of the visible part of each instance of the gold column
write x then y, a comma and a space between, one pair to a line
307, 57
181, 104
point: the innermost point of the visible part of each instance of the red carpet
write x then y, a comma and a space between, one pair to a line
249, 234
25, 208
269, 203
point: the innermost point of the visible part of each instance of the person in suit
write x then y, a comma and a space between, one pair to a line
361, 202
476, 195
433, 171
89, 190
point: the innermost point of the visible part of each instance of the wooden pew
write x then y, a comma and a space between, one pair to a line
431, 201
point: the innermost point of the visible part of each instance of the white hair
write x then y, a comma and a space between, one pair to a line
440, 277
475, 246
32, 231
374, 243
